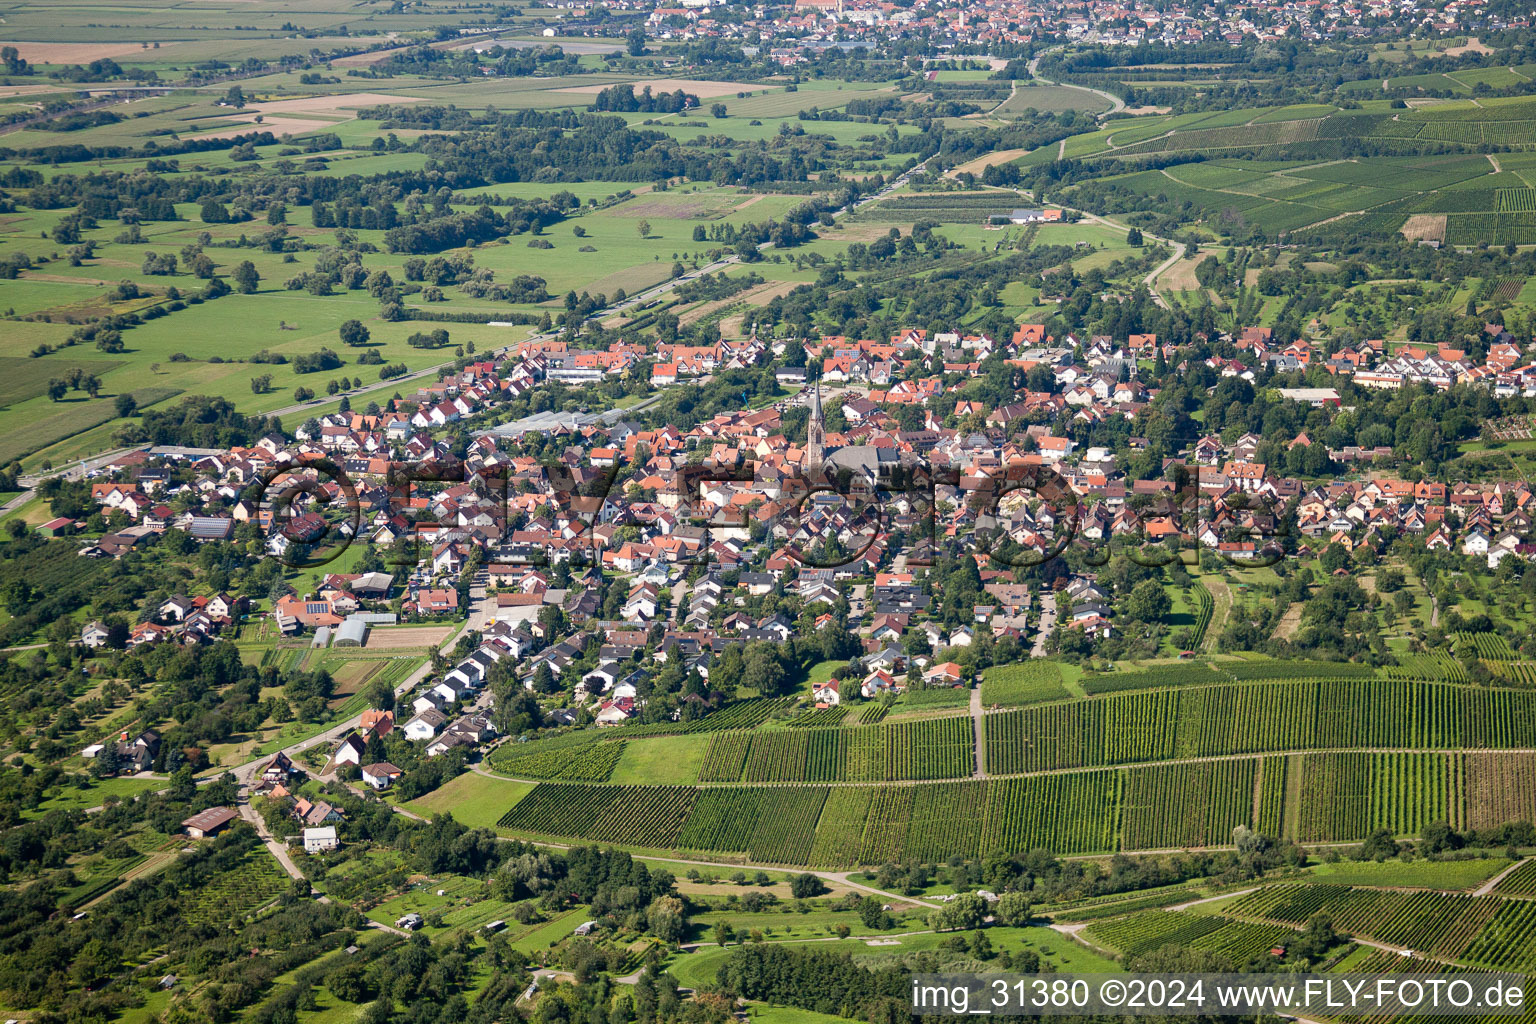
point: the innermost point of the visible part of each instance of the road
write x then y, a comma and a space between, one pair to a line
245, 774
650, 294
1158, 271
979, 724
71, 471
1047, 623
1488, 886
1116, 104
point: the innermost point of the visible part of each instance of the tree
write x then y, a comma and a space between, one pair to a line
666, 919
698, 233
1148, 602
246, 278
1012, 909
634, 42
1133, 237
644, 227
805, 886
717, 109
353, 333
56, 389
1379, 845
872, 913
1438, 836
126, 405
91, 385
235, 97
965, 912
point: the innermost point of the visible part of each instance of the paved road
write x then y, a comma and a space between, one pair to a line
1116, 104
71, 471
1488, 886
630, 302
1047, 623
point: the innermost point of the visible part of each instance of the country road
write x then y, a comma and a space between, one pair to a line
76, 469
654, 292
1116, 104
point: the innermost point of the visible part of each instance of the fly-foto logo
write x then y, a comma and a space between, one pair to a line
1019, 515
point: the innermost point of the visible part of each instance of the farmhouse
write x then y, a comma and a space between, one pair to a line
209, 823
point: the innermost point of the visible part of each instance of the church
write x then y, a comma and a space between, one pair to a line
865, 462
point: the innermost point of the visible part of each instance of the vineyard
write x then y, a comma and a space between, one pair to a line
1238, 941
637, 815
1205, 606
1490, 646
1267, 669
1187, 674
588, 761
1165, 724
1519, 882
1498, 788
1431, 665
1485, 931
1309, 797
935, 748
936, 697
837, 827
1025, 682
1186, 805
1515, 673
966, 207
824, 718
743, 714
873, 712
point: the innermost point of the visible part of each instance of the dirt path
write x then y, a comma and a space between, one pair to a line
1289, 622
1213, 899
1488, 886
1221, 608
1075, 933
1495, 161
978, 717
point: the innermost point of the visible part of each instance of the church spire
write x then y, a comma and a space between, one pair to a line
815, 433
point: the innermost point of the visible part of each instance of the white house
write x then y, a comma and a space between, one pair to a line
425, 725
350, 751
381, 775
319, 840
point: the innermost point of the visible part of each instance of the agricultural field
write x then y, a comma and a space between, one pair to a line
1027, 682
1279, 198
1146, 932
1482, 931
937, 748
1156, 725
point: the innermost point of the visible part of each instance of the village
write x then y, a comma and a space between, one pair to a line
656, 544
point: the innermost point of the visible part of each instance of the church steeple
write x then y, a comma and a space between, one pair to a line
815, 433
